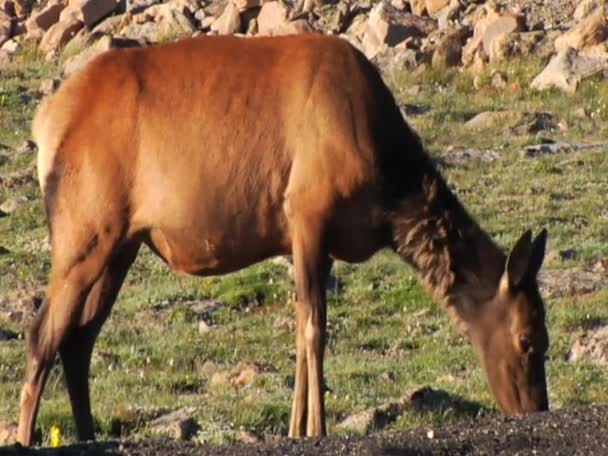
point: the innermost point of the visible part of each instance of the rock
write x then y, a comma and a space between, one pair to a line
387, 26
490, 118
418, 7
585, 7
179, 424
571, 282
591, 347
433, 6
203, 327
229, 22
8, 433
27, 147
490, 34
238, 377
243, 5
448, 52
44, 18
562, 148
272, 15
89, 11
499, 80
49, 86
273, 21
459, 156
10, 46
7, 334
60, 34
372, 419
249, 437
448, 15
6, 27
100, 46
541, 121
588, 32
566, 70
12, 204
166, 20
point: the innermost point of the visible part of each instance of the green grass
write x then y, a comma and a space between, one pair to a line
386, 337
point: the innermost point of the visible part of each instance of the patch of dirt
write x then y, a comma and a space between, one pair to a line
577, 431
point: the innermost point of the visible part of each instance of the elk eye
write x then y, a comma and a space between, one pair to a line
525, 344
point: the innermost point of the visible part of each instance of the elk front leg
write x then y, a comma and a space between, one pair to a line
312, 266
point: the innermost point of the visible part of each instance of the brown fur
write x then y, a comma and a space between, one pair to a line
221, 152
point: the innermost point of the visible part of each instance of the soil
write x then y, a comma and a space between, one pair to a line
576, 431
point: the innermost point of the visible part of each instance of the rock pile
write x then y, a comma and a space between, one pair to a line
570, 35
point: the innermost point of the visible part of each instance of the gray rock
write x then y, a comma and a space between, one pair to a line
178, 424
562, 148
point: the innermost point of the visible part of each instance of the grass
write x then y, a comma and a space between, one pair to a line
387, 337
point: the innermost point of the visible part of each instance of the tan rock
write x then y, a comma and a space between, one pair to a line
589, 31
585, 7
229, 22
6, 27
434, 6
500, 27
418, 7
46, 17
388, 26
8, 433
567, 69
89, 11
591, 347
60, 34
103, 44
272, 16
243, 5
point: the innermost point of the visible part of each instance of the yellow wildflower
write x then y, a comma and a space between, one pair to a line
55, 434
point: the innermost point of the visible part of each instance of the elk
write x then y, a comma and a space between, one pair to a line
219, 152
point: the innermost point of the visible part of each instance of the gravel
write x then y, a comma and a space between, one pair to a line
575, 431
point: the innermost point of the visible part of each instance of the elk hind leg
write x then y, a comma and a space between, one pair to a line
77, 347
74, 271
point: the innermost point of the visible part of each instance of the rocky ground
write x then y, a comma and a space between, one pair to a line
569, 35
571, 432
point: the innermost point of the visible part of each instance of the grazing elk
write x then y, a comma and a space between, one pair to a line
219, 152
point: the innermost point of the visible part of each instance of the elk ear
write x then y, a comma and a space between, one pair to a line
519, 260
538, 252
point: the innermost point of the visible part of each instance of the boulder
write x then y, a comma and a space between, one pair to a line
6, 27
244, 5
585, 7
448, 50
89, 11
387, 26
100, 46
588, 32
418, 7
273, 15
60, 34
567, 69
489, 33
44, 18
229, 22
434, 6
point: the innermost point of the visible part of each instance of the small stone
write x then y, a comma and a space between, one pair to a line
28, 147
592, 347
12, 204
203, 327
49, 86
499, 80
229, 22
179, 424
431, 434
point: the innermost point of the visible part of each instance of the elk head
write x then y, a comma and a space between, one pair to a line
511, 334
